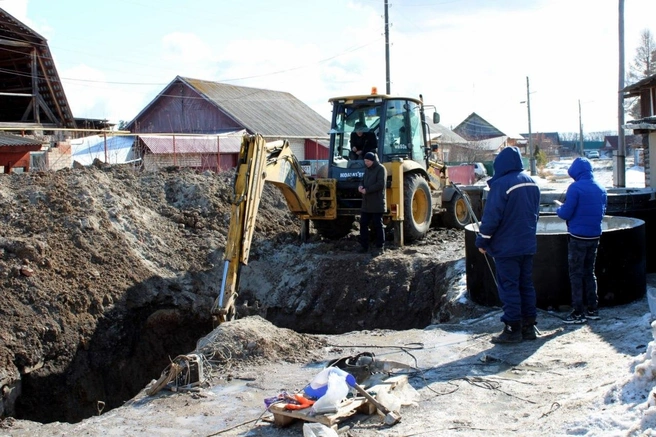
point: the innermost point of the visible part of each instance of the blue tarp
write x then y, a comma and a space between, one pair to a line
117, 149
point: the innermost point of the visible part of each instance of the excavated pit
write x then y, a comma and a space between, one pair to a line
129, 347
107, 275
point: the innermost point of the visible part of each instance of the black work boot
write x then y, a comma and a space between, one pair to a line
529, 330
512, 333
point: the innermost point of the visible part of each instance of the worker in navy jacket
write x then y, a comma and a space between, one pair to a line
584, 209
508, 233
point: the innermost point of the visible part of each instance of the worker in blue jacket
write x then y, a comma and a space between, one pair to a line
508, 233
584, 209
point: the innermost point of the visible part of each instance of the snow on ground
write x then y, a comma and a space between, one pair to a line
555, 174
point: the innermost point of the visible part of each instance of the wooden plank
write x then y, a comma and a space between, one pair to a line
388, 385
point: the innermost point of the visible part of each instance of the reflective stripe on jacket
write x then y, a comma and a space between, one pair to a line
509, 223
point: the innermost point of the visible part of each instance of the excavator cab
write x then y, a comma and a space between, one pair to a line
395, 121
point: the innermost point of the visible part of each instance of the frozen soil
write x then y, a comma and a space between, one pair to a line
107, 274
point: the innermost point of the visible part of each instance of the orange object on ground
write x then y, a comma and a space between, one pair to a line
300, 402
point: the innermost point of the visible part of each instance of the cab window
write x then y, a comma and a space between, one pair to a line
344, 125
403, 130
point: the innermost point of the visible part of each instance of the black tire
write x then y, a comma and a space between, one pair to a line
417, 207
334, 229
457, 214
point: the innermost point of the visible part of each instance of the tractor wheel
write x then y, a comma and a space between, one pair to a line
334, 229
417, 207
457, 214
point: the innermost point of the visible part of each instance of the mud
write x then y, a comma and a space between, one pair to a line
107, 274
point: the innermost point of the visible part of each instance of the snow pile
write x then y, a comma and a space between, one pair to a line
643, 380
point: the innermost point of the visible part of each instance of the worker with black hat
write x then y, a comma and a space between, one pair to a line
374, 203
362, 141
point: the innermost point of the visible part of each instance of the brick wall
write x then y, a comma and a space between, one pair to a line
59, 156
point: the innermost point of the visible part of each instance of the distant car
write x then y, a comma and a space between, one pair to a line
479, 169
593, 154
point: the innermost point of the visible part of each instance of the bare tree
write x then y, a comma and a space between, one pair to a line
598, 136
568, 136
474, 151
643, 65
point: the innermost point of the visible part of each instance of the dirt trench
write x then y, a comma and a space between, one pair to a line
107, 274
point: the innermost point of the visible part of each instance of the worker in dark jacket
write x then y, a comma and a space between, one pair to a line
508, 233
584, 209
363, 141
374, 203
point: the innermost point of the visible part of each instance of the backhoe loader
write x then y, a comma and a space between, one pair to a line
418, 187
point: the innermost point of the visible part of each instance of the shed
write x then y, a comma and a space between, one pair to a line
16, 153
201, 152
194, 106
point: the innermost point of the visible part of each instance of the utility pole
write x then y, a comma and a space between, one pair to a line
387, 54
580, 131
619, 176
530, 134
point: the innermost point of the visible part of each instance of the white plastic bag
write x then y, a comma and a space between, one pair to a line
319, 384
336, 390
318, 430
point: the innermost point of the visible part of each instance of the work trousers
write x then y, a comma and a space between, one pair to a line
515, 285
581, 256
376, 221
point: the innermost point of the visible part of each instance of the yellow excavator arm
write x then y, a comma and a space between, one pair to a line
308, 198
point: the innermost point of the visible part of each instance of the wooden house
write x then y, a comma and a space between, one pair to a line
631, 142
484, 140
645, 89
198, 112
547, 142
448, 142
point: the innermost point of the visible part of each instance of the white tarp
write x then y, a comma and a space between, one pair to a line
114, 149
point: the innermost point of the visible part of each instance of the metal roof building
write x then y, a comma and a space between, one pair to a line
199, 106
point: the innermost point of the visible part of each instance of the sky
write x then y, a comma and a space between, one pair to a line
463, 56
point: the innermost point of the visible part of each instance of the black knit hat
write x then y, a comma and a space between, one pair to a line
370, 156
